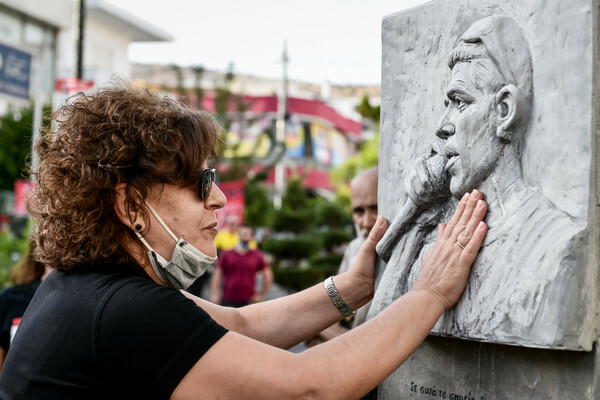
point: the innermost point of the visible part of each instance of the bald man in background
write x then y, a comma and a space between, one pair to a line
363, 200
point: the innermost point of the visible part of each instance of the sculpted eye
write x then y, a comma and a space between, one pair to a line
461, 104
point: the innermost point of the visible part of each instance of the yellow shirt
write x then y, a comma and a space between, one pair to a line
227, 240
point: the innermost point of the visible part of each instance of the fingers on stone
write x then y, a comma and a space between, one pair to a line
460, 208
476, 240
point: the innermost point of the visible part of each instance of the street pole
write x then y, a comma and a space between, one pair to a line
280, 131
79, 39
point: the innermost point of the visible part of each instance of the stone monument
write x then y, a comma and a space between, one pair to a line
497, 96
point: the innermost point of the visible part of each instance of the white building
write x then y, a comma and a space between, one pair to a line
48, 30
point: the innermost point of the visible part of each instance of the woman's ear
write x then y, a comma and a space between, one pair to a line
126, 213
507, 111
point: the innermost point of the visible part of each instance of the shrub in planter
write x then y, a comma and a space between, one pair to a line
297, 279
294, 220
333, 214
295, 248
328, 263
335, 237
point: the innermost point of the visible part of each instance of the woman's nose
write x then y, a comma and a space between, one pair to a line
216, 199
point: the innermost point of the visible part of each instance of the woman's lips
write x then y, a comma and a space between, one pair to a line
212, 227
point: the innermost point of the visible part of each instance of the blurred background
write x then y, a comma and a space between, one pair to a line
295, 85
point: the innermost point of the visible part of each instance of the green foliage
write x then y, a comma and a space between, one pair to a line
328, 263
366, 110
366, 158
334, 214
335, 237
295, 195
181, 92
289, 220
198, 90
258, 210
296, 279
297, 213
294, 247
12, 249
16, 129
320, 267
301, 214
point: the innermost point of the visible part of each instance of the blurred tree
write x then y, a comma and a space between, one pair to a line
198, 90
308, 232
334, 214
12, 249
367, 157
16, 129
297, 213
366, 110
258, 210
180, 88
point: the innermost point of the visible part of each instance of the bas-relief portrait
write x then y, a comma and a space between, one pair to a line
532, 283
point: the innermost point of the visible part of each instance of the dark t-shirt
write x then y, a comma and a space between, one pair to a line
13, 303
105, 334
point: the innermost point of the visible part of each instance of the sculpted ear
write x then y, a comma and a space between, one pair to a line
508, 111
125, 212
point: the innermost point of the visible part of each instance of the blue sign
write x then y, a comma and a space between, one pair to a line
15, 72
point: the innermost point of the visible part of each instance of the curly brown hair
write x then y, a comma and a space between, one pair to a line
113, 135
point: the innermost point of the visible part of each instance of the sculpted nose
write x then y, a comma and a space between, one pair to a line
445, 131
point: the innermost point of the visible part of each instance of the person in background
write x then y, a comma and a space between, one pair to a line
26, 277
228, 236
363, 201
236, 273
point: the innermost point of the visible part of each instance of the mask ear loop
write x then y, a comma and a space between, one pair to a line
144, 241
159, 219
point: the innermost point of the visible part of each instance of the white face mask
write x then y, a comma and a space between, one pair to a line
187, 262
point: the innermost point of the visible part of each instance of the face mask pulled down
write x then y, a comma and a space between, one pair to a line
187, 262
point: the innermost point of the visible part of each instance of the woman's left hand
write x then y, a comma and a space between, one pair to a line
362, 271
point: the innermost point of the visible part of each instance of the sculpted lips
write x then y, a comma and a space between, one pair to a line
451, 155
451, 162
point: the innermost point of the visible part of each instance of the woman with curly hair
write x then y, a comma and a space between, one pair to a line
125, 214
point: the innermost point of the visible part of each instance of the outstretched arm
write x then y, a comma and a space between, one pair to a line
215, 286
240, 367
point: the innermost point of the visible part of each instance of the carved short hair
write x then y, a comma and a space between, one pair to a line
500, 39
116, 134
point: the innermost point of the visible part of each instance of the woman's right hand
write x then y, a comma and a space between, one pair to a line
446, 268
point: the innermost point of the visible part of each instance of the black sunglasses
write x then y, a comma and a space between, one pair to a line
205, 182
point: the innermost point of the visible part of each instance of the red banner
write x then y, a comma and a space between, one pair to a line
234, 191
72, 85
22, 189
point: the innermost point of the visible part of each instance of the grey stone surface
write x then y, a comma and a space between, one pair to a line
518, 125
445, 368
527, 325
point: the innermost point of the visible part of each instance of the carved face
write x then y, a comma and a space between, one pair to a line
469, 125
